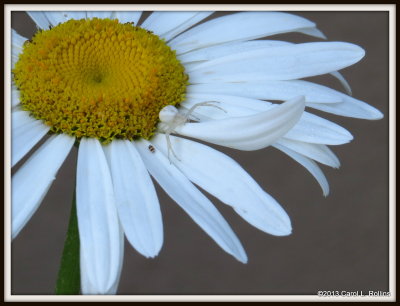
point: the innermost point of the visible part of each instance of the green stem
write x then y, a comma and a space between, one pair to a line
68, 281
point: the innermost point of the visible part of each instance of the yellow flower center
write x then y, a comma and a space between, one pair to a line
99, 78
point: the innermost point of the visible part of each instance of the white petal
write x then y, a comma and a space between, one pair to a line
86, 286
15, 52
311, 166
314, 129
213, 52
313, 32
191, 200
99, 14
56, 17
318, 152
289, 62
317, 96
350, 107
17, 41
128, 16
310, 128
25, 133
32, 181
248, 132
97, 216
342, 81
163, 21
247, 25
194, 58
186, 25
40, 19
114, 286
14, 60
222, 177
136, 199
271, 90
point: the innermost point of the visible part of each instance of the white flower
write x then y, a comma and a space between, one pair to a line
227, 69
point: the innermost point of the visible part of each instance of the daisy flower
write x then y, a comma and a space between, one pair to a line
125, 94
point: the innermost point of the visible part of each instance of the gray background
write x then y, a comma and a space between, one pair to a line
338, 243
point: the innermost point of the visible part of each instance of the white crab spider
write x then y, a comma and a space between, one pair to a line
172, 118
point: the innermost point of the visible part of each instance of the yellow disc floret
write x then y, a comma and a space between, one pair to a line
99, 78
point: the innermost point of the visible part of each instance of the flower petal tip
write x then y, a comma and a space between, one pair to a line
242, 258
148, 251
319, 34
285, 233
283, 230
150, 256
377, 115
357, 52
152, 253
360, 51
244, 261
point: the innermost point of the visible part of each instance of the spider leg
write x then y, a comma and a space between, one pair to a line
193, 117
209, 103
170, 149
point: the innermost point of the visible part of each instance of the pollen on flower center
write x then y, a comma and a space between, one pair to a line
99, 78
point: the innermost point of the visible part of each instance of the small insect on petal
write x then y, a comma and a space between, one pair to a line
152, 149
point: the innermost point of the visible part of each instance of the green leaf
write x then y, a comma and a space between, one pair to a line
68, 281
